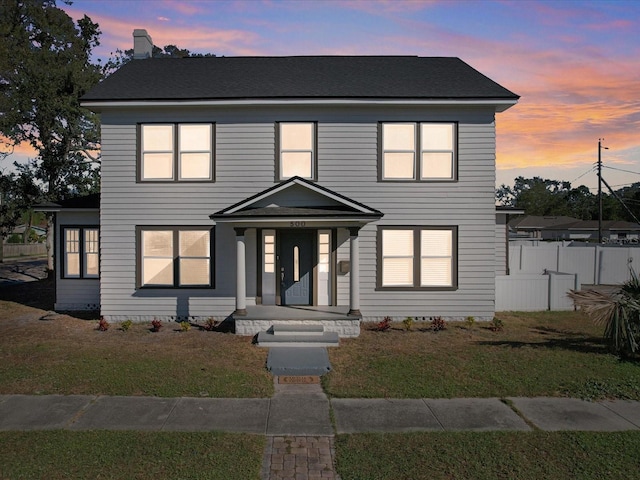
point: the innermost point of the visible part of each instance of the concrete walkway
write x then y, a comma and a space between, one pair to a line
297, 421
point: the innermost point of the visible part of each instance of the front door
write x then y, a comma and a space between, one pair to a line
296, 252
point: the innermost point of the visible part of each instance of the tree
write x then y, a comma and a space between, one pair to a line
168, 51
45, 68
537, 196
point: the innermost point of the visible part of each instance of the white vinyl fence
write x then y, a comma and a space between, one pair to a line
532, 293
540, 276
594, 265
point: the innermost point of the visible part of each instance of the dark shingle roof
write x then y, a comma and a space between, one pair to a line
324, 77
90, 202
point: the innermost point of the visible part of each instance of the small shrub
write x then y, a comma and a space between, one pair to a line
103, 325
156, 325
210, 324
408, 323
126, 325
496, 325
384, 325
185, 326
437, 324
470, 321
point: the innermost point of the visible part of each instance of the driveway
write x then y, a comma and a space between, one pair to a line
18, 271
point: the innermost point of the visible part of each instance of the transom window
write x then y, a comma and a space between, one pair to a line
80, 252
297, 146
175, 257
418, 151
176, 152
417, 257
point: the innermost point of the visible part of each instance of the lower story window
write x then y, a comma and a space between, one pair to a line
175, 257
417, 257
80, 252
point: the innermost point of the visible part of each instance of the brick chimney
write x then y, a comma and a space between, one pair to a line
142, 44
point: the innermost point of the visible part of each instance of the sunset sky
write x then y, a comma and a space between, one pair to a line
576, 64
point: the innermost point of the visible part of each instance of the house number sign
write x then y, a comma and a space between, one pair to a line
298, 224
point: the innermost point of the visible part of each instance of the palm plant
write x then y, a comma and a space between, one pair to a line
618, 312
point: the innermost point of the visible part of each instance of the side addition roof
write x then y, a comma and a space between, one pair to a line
303, 77
87, 202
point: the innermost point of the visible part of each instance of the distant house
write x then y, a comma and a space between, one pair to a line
540, 227
236, 187
39, 234
568, 228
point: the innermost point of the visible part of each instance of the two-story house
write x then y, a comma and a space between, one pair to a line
310, 188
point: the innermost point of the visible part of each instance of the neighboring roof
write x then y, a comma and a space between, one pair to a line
21, 228
593, 225
322, 203
536, 222
304, 77
87, 202
509, 210
532, 222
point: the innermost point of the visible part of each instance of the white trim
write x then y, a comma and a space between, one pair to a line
62, 209
286, 222
500, 104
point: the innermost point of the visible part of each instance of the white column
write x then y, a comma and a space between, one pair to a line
241, 273
354, 272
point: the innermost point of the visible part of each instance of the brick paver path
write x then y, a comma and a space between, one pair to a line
299, 458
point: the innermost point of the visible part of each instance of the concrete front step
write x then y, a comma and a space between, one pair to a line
326, 339
281, 330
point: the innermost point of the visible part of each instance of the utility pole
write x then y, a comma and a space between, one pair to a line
600, 147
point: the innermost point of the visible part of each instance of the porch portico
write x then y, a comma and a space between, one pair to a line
298, 225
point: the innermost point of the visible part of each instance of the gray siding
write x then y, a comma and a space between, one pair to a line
347, 163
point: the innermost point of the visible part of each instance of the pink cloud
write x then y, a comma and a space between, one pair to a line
118, 34
184, 8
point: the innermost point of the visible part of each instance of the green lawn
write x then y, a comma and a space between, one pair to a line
536, 354
58, 454
489, 455
68, 355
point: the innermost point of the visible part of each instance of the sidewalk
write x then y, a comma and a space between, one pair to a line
303, 410
297, 421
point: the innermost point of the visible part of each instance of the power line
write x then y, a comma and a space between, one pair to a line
615, 186
620, 169
579, 177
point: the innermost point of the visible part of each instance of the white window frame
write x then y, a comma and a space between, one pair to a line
83, 247
175, 258
283, 150
420, 150
177, 152
417, 257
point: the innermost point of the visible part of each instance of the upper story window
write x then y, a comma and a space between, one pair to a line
418, 151
176, 152
80, 252
296, 150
